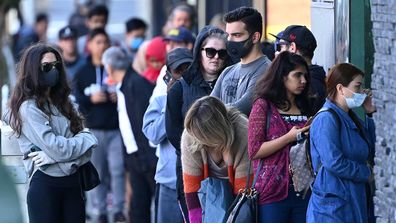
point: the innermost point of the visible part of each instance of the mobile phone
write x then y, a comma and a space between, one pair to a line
309, 121
167, 77
34, 148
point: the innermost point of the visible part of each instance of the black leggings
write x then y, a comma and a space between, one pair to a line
55, 199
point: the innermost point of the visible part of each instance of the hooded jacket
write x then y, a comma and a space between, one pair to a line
97, 116
318, 85
155, 49
182, 95
187, 90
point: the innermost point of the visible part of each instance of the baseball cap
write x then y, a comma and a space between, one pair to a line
67, 33
177, 57
301, 35
180, 34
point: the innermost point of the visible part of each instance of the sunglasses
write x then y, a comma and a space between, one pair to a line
47, 66
280, 44
211, 52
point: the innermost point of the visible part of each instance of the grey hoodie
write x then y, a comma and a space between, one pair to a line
53, 136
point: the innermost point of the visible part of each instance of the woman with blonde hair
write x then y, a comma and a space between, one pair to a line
214, 144
210, 58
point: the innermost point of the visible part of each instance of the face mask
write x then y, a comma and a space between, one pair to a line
50, 78
356, 100
136, 42
239, 49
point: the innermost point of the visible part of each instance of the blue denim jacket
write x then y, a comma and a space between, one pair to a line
154, 129
339, 155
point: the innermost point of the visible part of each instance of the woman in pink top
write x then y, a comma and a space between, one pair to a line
284, 92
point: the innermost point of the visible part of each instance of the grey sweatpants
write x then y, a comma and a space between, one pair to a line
108, 159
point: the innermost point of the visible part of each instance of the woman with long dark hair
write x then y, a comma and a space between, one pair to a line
51, 136
283, 92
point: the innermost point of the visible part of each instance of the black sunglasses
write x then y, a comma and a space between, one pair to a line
280, 44
47, 66
211, 52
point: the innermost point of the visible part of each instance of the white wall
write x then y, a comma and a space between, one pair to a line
322, 26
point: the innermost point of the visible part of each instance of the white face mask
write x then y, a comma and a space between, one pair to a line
356, 100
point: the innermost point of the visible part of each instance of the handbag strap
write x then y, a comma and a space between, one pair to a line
257, 173
267, 126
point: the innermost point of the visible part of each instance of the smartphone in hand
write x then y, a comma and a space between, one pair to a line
309, 121
167, 77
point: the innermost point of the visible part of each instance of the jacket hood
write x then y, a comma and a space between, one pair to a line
155, 49
188, 76
317, 72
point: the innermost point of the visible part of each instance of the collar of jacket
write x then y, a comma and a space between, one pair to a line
344, 116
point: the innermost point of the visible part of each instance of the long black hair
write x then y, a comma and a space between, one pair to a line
28, 87
271, 85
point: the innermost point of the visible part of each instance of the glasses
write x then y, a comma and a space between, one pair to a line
47, 66
280, 44
211, 52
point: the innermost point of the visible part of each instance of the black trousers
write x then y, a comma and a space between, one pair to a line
143, 190
55, 199
180, 190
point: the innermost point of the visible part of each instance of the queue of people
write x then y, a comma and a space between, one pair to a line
159, 117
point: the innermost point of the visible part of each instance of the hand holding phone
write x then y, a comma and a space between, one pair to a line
167, 77
309, 121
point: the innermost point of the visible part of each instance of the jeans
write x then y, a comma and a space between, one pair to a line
289, 210
168, 206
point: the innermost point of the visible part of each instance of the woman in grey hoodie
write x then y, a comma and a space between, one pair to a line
51, 136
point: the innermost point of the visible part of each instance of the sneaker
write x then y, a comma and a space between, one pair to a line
119, 218
102, 218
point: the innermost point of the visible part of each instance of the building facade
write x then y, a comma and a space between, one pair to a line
383, 15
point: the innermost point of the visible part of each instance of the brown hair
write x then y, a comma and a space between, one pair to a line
343, 74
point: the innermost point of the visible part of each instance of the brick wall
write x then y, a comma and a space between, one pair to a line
383, 15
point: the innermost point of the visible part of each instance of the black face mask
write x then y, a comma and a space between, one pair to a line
239, 49
50, 78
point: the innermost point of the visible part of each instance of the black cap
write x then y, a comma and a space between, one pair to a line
177, 57
67, 33
300, 35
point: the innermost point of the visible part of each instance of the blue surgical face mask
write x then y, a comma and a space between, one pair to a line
356, 100
136, 42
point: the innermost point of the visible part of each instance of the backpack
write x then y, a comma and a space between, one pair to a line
308, 143
300, 161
